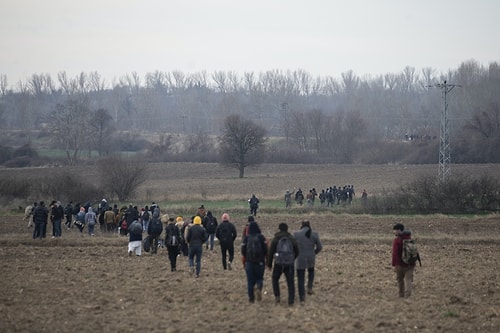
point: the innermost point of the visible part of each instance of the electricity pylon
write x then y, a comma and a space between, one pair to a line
444, 133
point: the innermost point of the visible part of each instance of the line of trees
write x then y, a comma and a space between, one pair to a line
350, 119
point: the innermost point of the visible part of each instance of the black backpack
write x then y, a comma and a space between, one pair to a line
284, 252
211, 224
254, 251
173, 237
135, 228
156, 226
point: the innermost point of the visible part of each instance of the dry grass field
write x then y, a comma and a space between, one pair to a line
89, 284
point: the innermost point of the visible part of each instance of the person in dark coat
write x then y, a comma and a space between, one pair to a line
196, 237
254, 205
279, 269
40, 218
210, 223
57, 215
172, 242
254, 268
226, 234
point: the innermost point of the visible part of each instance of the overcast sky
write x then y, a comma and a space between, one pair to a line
323, 37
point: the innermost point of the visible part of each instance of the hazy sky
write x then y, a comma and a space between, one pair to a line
323, 37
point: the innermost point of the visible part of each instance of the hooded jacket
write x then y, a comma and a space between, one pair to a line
90, 217
253, 229
309, 245
153, 223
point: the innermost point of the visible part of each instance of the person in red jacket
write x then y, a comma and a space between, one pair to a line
404, 272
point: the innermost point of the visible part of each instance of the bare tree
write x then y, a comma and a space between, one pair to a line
199, 143
121, 176
166, 144
317, 120
69, 126
68, 86
96, 82
242, 143
299, 130
41, 84
156, 80
485, 123
220, 79
102, 129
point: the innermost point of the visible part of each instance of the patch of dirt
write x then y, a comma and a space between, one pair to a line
89, 284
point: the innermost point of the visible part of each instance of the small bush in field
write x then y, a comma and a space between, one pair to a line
14, 188
459, 195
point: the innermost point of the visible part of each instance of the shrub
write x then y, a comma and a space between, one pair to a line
5, 154
459, 195
121, 176
64, 186
19, 162
15, 188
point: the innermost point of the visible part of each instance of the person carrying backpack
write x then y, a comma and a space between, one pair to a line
155, 228
210, 224
135, 238
80, 219
183, 248
254, 252
226, 234
172, 242
404, 271
283, 251
145, 217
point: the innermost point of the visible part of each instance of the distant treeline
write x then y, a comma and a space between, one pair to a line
350, 119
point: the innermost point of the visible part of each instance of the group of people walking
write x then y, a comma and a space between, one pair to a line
290, 253
286, 254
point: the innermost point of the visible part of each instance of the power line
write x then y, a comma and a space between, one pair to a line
444, 133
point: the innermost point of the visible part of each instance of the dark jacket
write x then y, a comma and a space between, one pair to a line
197, 235
41, 214
274, 243
153, 223
231, 232
397, 249
131, 214
210, 227
254, 202
57, 213
134, 237
253, 229
172, 229
68, 211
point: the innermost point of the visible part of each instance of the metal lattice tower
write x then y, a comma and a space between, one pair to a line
444, 133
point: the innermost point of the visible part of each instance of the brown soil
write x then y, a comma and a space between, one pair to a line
83, 284
90, 284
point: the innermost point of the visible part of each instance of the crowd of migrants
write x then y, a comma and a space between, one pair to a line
286, 254
187, 238
329, 197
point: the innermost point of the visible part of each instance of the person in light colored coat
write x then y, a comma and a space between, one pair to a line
309, 246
